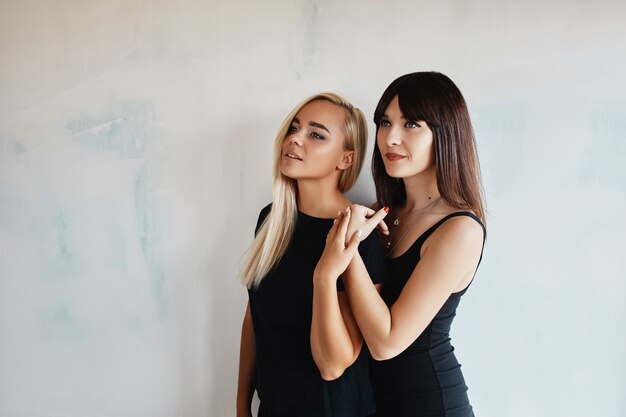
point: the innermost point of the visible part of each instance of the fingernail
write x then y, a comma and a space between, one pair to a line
386, 209
334, 221
359, 233
348, 209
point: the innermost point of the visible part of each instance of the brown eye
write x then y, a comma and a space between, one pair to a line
316, 136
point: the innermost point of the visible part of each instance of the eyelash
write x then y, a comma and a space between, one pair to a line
314, 135
387, 123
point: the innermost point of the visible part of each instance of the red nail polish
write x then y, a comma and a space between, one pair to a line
386, 209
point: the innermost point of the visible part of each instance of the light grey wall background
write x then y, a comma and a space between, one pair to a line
135, 154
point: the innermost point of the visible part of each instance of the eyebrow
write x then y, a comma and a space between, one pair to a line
321, 126
314, 124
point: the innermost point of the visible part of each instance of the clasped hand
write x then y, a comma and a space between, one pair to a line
349, 229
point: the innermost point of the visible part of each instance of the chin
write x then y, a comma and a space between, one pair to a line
394, 173
289, 173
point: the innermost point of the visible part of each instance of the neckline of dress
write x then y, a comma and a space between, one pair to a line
434, 226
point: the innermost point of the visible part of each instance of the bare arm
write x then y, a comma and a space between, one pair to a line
335, 338
388, 332
247, 367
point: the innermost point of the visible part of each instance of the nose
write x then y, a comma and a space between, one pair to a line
295, 138
392, 136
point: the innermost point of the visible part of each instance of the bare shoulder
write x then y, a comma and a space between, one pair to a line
459, 231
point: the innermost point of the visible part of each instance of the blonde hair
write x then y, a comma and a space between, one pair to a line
275, 233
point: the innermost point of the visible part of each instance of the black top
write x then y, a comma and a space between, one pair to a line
288, 381
425, 379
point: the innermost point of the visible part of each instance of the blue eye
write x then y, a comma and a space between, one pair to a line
384, 123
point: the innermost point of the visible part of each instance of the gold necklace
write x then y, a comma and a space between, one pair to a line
419, 214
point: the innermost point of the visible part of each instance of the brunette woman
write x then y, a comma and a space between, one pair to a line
426, 170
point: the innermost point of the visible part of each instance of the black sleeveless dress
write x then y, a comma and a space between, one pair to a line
288, 382
425, 379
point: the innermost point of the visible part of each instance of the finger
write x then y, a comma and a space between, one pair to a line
377, 218
369, 212
343, 227
382, 227
333, 230
353, 245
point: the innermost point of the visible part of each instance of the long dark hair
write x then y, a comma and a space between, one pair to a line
433, 97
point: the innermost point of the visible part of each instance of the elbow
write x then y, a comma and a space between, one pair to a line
331, 370
335, 370
383, 353
331, 373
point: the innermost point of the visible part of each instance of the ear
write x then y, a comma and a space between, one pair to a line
346, 160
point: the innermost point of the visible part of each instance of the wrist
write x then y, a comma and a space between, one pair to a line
354, 261
323, 279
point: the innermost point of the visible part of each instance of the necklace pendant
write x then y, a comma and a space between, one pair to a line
388, 244
396, 221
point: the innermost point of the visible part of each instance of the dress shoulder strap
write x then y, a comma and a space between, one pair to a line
435, 226
448, 217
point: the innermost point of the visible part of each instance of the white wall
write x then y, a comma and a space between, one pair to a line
135, 153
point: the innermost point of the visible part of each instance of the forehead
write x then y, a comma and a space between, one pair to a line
324, 112
393, 109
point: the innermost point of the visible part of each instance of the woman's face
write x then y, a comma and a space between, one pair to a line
405, 145
313, 147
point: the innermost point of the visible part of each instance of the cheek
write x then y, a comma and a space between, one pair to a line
430, 147
427, 154
326, 149
424, 149
325, 156
380, 138
424, 145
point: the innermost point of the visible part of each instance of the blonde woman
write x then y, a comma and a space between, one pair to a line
287, 353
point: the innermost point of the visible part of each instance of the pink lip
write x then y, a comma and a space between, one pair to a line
394, 156
297, 157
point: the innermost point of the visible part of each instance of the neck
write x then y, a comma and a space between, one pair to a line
320, 198
421, 190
